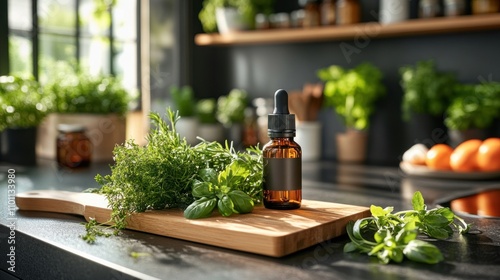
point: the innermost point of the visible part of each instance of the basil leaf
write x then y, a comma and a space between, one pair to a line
202, 189
208, 175
421, 251
436, 232
200, 208
436, 220
350, 247
226, 206
243, 203
397, 255
377, 211
418, 201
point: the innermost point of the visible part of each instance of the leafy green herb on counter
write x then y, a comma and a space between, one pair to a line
392, 236
161, 174
221, 191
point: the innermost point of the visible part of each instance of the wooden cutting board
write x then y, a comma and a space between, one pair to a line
268, 232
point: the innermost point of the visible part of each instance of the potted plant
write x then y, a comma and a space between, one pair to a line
185, 104
426, 90
99, 103
426, 95
209, 128
231, 113
352, 93
473, 110
23, 106
231, 15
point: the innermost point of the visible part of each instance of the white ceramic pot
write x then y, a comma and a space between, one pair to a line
104, 131
187, 127
309, 138
229, 20
392, 11
211, 132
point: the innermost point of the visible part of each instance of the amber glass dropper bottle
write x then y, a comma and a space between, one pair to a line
282, 158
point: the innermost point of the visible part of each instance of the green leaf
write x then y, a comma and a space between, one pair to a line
418, 201
200, 208
377, 211
208, 175
202, 189
350, 247
243, 203
437, 232
421, 251
436, 220
225, 206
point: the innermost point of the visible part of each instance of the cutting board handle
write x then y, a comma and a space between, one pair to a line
59, 201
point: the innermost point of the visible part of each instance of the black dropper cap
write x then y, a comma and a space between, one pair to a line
281, 123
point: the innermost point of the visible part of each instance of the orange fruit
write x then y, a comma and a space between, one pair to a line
488, 156
463, 158
438, 157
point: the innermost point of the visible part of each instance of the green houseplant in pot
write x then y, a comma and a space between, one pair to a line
427, 92
209, 128
232, 15
100, 103
472, 111
231, 113
352, 93
23, 106
185, 104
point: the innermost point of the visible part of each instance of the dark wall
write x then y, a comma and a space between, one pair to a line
261, 69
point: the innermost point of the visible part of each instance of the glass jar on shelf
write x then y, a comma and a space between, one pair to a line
453, 8
348, 12
485, 6
429, 8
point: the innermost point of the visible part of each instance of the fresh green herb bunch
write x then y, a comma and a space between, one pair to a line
22, 102
206, 110
246, 8
473, 106
352, 93
162, 174
231, 107
392, 236
220, 190
426, 89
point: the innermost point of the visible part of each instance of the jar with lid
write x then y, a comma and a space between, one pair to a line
327, 12
453, 8
73, 147
429, 8
485, 6
348, 12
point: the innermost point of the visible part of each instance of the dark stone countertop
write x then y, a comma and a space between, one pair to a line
48, 245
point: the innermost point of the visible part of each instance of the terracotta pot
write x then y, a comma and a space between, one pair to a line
351, 146
104, 131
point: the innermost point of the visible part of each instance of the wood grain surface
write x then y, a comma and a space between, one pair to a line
268, 232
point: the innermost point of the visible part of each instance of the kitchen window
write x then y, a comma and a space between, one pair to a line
97, 36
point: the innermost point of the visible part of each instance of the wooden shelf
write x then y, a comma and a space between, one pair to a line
414, 27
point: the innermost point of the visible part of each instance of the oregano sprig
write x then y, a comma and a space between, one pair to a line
393, 236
